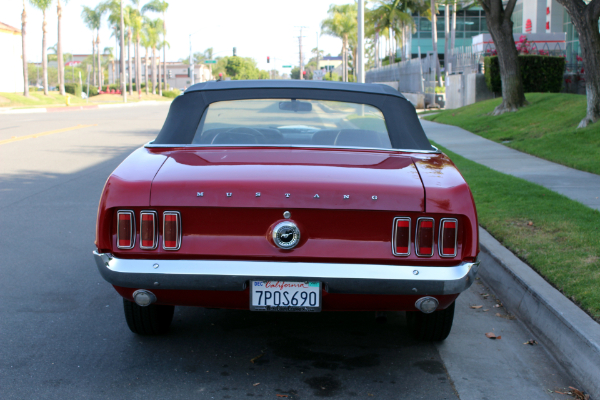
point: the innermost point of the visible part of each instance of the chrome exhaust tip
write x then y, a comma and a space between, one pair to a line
427, 305
143, 297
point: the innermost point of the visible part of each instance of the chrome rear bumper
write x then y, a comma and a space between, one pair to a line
336, 278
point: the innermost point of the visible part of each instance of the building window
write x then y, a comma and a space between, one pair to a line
517, 18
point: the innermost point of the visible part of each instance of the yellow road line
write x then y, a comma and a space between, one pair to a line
35, 135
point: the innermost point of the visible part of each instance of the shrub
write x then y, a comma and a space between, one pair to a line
33, 88
171, 93
73, 88
539, 73
93, 90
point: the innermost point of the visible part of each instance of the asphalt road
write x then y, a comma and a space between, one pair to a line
63, 333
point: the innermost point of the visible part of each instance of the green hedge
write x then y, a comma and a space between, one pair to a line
73, 88
171, 93
539, 73
93, 90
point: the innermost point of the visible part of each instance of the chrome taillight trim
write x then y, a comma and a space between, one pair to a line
395, 229
131, 228
178, 229
154, 229
441, 237
417, 236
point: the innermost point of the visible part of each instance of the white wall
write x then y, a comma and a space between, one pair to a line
11, 66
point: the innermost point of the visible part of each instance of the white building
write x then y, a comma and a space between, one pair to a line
11, 67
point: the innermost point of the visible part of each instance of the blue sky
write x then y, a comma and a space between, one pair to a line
257, 28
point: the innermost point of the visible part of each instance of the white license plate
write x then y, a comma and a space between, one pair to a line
285, 296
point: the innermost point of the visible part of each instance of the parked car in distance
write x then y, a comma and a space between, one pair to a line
297, 196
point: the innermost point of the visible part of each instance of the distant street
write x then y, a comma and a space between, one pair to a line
63, 334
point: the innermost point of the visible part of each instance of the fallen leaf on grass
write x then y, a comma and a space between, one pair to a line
530, 223
579, 394
281, 395
531, 342
476, 307
492, 335
256, 384
256, 358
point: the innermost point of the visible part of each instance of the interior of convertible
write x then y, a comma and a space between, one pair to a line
281, 122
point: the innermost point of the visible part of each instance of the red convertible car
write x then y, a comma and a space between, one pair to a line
298, 196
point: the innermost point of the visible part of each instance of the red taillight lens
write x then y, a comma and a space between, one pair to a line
401, 239
125, 231
171, 230
148, 230
448, 234
424, 244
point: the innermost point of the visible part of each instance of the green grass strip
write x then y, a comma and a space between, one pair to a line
558, 237
546, 128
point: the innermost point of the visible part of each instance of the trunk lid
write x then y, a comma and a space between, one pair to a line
288, 178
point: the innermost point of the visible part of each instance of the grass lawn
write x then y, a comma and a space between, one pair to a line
54, 99
558, 237
545, 128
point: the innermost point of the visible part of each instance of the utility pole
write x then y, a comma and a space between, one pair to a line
361, 42
122, 75
300, 46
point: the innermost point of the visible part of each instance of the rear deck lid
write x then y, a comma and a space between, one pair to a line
288, 178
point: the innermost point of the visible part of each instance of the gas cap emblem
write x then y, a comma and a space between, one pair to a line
286, 235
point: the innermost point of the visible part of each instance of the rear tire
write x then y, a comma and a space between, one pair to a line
433, 327
151, 320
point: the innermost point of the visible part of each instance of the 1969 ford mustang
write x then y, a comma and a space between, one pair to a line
296, 196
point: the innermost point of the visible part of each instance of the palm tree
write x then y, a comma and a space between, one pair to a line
43, 6
160, 6
341, 23
128, 12
153, 31
59, 52
110, 58
25, 69
92, 18
113, 7
136, 21
145, 42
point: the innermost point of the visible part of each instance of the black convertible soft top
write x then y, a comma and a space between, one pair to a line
400, 116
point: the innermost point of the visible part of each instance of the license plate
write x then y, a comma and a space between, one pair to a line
285, 296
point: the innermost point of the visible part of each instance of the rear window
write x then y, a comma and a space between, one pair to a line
281, 122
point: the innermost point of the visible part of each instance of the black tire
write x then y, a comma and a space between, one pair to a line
151, 320
433, 327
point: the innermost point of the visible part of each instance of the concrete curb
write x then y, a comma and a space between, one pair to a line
570, 335
78, 108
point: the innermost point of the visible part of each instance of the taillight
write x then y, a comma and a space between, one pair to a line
148, 230
401, 236
125, 229
171, 230
424, 239
448, 235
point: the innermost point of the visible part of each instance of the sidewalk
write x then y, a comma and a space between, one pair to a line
580, 186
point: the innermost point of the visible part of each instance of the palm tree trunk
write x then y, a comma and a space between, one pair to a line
164, 50
453, 29
44, 57
99, 60
59, 55
160, 72
146, 71
138, 80
25, 70
129, 62
153, 70
117, 52
113, 70
93, 59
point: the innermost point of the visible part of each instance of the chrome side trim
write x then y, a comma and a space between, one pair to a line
395, 229
441, 237
132, 228
233, 275
151, 144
